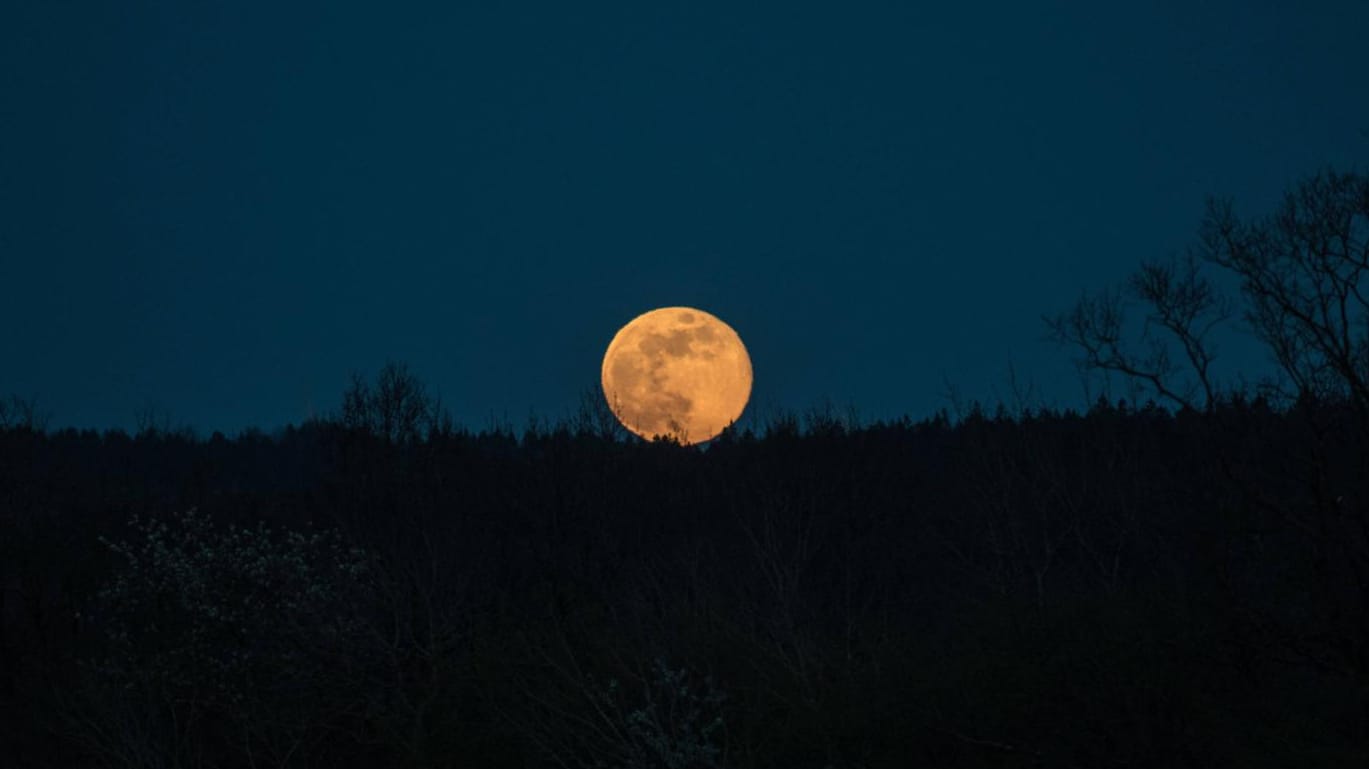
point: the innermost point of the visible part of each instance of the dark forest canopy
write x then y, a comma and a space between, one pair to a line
1048, 588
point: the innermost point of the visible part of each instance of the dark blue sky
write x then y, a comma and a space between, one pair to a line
224, 209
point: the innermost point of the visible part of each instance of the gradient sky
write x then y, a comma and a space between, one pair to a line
222, 210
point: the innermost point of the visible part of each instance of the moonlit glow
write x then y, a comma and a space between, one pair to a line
677, 372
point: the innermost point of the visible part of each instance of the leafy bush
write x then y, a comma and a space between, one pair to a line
674, 726
659, 719
241, 634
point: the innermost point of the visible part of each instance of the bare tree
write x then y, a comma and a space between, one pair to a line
1183, 309
1302, 281
1302, 273
593, 416
21, 413
397, 408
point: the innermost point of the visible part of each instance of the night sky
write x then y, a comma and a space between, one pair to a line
223, 210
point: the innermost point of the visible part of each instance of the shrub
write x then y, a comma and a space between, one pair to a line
243, 635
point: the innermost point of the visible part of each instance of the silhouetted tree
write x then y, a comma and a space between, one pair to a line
22, 413
1184, 308
1304, 274
397, 408
1304, 283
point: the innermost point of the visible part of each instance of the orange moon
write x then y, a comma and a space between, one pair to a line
677, 372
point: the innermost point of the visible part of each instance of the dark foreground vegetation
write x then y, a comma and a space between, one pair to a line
1184, 585
1123, 587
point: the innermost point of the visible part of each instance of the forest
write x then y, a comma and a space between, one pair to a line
1179, 579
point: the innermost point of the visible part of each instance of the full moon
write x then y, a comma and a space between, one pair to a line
677, 372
